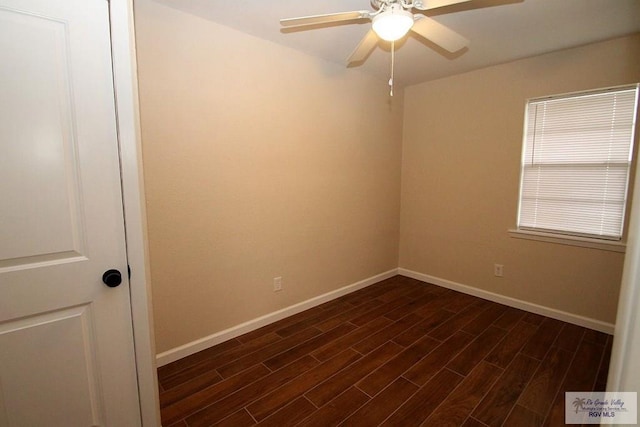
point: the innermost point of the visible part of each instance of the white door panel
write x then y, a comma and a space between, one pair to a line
57, 349
66, 342
39, 156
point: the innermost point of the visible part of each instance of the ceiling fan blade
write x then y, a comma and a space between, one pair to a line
325, 19
433, 4
441, 35
364, 48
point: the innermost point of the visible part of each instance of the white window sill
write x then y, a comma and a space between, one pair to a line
562, 239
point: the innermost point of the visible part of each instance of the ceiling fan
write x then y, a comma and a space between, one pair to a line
391, 21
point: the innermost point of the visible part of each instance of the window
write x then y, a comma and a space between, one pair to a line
575, 163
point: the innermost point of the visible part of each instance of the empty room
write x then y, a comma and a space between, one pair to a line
323, 223
268, 166
265, 163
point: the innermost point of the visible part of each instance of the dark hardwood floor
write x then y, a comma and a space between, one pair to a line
400, 352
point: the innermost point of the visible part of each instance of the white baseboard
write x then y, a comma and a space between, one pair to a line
235, 331
513, 302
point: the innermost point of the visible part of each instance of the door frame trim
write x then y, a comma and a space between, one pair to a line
123, 53
624, 373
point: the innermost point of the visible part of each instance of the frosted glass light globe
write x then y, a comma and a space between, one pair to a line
393, 23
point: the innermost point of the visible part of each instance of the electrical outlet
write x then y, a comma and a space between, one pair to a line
277, 284
498, 270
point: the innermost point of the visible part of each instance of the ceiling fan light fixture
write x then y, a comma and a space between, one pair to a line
393, 23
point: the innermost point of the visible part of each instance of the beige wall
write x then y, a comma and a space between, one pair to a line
460, 173
259, 162
262, 162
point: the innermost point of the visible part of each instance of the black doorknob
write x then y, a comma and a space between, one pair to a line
112, 278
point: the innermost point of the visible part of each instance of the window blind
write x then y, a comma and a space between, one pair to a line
576, 161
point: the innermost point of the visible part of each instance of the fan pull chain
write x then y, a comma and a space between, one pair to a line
393, 60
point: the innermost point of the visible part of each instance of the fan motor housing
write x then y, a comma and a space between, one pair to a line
406, 4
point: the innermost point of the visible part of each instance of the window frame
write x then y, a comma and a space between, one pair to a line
566, 236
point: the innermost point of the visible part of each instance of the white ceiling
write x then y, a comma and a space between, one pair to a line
499, 30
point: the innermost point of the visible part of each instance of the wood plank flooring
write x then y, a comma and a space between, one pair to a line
397, 353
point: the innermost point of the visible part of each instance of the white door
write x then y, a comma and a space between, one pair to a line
66, 341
